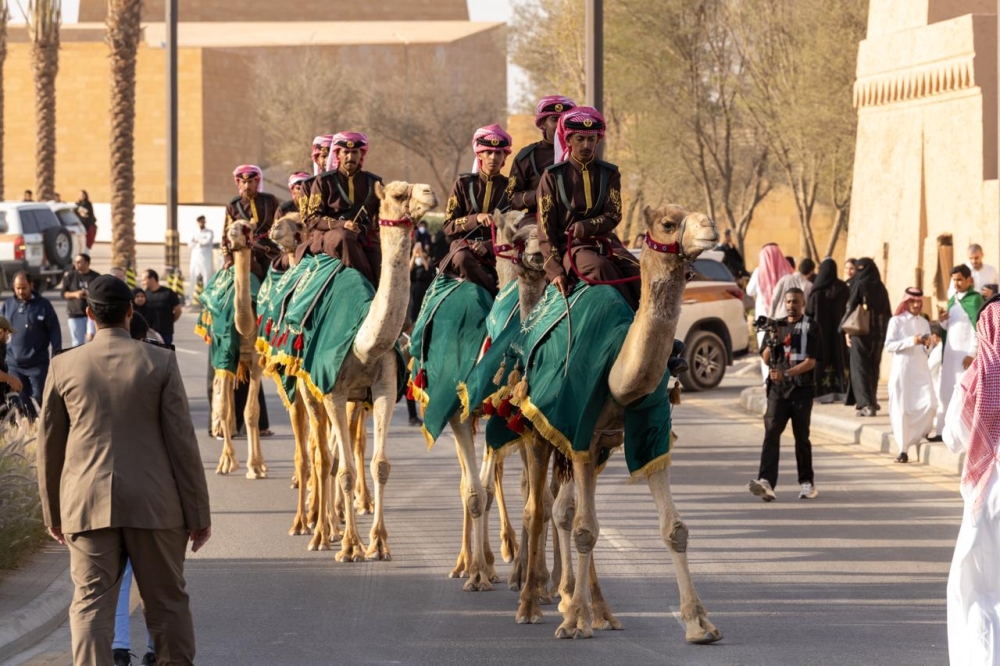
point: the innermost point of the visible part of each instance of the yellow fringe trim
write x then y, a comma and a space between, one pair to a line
427, 436
203, 333
550, 432
655, 465
463, 396
219, 372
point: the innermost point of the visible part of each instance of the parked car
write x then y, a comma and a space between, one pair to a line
66, 212
712, 324
33, 239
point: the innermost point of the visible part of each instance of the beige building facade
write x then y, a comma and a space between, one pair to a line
925, 172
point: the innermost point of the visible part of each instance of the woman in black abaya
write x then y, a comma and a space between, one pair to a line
866, 350
826, 307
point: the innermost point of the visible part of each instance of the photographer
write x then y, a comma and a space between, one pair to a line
74, 290
791, 347
912, 403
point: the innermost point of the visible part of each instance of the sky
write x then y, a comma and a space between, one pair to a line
479, 10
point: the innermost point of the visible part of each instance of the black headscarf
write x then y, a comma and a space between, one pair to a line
826, 275
867, 287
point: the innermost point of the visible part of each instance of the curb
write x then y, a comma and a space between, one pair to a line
27, 626
875, 438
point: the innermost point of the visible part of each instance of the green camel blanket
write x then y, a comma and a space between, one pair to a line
563, 405
217, 322
275, 292
445, 344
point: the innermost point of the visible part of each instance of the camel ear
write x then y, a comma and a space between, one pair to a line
647, 214
379, 190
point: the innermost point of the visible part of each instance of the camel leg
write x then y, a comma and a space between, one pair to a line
320, 480
384, 397
300, 428
539, 451
487, 477
256, 469
675, 536
474, 498
604, 619
577, 622
515, 581
338, 495
223, 400
508, 537
358, 415
351, 549
563, 512
560, 555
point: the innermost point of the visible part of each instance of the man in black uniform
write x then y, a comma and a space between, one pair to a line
467, 220
534, 159
295, 187
341, 210
257, 209
796, 343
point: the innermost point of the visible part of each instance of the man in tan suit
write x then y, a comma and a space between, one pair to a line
120, 476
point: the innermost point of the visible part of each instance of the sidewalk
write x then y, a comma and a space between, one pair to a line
839, 422
34, 599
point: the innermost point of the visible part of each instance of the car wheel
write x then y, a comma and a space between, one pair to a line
59, 247
706, 357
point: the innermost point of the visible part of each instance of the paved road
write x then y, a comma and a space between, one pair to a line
856, 576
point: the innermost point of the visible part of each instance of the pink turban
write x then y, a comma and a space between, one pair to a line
349, 140
772, 267
244, 170
553, 105
296, 178
585, 120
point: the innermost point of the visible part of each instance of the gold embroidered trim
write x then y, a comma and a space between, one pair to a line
616, 201
511, 184
452, 207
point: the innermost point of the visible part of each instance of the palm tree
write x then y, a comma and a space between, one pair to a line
4, 19
123, 40
44, 17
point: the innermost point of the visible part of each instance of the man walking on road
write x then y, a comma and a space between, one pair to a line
959, 343
37, 329
120, 476
74, 290
202, 256
790, 388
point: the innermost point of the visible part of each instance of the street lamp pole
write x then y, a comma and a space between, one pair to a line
172, 238
594, 26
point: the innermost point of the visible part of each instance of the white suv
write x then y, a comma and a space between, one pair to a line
34, 239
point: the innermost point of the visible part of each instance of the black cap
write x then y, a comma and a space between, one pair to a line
108, 290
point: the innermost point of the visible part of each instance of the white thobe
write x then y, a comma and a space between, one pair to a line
961, 342
912, 403
984, 276
760, 309
974, 579
202, 259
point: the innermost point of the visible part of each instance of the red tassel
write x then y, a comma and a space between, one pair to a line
260, 318
267, 331
517, 423
409, 391
299, 344
503, 411
487, 344
488, 408
421, 380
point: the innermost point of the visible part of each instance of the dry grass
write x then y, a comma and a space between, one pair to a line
21, 526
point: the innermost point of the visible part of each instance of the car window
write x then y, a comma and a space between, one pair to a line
711, 271
68, 217
46, 219
28, 224
3, 222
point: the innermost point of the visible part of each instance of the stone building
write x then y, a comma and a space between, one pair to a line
220, 49
925, 171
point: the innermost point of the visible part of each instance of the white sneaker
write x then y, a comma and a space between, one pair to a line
808, 491
762, 489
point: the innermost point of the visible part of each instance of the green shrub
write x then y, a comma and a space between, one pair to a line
21, 526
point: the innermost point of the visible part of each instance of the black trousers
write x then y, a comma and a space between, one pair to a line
798, 409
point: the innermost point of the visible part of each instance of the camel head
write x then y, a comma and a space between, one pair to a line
239, 236
676, 235
524, 240
403, 201
287, 232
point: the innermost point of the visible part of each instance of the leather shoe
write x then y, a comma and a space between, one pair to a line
935, 438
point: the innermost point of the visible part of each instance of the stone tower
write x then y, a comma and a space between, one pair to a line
925, 170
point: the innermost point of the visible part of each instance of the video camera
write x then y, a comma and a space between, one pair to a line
770, 329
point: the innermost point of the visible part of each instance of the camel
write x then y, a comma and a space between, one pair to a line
223, 386
369, 365
674, 238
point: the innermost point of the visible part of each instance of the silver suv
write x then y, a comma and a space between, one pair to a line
33, 238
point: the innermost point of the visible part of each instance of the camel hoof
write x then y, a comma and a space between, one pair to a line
707, 638
528, 613
478, 583
253, 475
573, 631
298, 529
378, 549
515, 578
351, 551
458, 572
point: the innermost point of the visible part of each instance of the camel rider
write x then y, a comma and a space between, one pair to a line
256, 208
321, 152
467, 219
295, 188
341, 212
533, 160
580, 196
